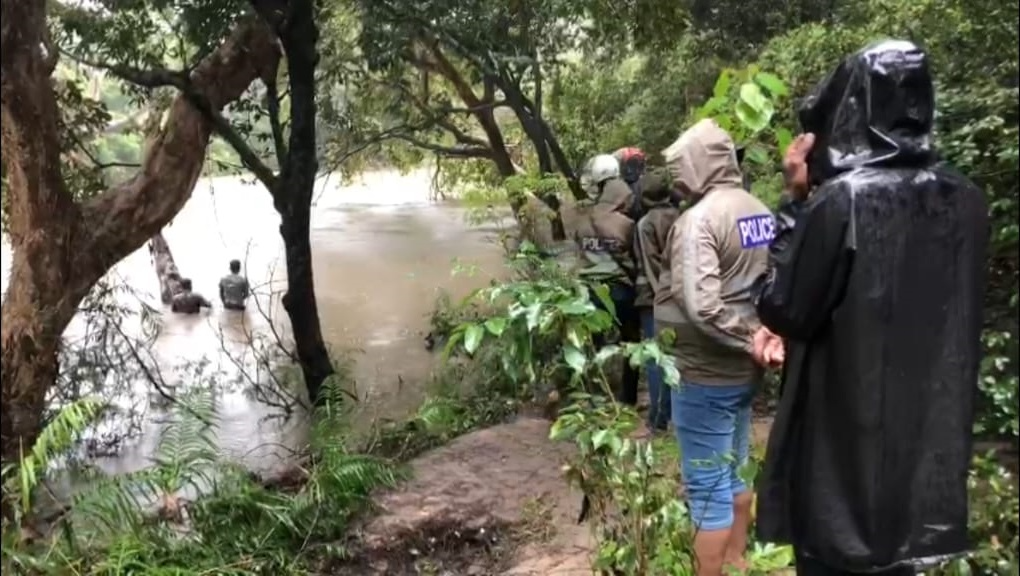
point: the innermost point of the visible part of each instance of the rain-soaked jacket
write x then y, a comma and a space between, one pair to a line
650, 237
717, 249
603, 234
876, 281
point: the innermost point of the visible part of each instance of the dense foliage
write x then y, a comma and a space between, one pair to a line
506, 102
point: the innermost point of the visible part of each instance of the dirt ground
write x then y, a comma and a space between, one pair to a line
492, 502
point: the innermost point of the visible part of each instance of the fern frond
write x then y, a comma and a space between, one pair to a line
348, 477
57, 439
187, 449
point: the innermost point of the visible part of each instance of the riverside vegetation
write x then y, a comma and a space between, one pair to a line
575, 78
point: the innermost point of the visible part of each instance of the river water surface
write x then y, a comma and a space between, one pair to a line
382, 251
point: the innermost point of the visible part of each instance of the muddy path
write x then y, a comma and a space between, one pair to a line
492, 502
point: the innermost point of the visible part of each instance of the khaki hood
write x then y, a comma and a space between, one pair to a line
702, 159
615, 196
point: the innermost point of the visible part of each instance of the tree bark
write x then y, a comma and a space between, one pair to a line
484, 115
166, 269
62, 248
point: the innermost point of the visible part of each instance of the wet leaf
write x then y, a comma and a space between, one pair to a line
757, 154
496, 326
534, 312
473, 338
722, 85
752, 95
772, 83
574, 358
783, 139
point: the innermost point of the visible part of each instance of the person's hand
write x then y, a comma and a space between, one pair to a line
795, 169
767, 348
775, 352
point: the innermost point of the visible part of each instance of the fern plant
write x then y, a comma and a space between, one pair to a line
185, 458
58, 438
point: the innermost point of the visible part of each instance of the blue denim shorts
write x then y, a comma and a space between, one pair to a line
713, 426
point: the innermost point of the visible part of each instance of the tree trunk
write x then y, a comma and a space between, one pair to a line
293, 193
301, 306
166, 269
62, 248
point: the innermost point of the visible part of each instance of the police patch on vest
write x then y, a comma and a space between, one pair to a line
756, 231
597, 244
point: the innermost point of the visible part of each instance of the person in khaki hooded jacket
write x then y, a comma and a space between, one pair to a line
650, 238
603, 234
717, 249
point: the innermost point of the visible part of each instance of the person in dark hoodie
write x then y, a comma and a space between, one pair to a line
651, 245
875, 281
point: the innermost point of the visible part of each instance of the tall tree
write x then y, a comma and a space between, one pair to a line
487, 57
61, 246
288, 168
295, 26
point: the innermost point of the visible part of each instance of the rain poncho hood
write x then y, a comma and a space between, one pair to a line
876, 109
876, 282
702, 159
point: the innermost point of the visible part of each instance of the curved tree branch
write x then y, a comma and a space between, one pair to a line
62, 248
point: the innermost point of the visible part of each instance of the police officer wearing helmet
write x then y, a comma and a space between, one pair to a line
604, 233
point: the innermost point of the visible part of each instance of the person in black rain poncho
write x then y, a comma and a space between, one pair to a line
876, 281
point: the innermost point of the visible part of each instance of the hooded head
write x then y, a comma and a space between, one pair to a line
632, 163
655, 188
876, 109
703, 159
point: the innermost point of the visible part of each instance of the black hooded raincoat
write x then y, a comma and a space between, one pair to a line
876, 282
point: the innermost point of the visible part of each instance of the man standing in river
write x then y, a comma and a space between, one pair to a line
234, 290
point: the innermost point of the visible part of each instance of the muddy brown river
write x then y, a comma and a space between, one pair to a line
382, 251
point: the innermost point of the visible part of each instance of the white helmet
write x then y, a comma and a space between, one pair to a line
604, 167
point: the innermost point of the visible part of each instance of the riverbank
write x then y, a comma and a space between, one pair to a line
494, 502
473, 482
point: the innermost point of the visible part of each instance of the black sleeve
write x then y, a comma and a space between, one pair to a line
809, 262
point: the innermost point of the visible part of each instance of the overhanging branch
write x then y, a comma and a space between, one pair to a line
181, 80
448, 151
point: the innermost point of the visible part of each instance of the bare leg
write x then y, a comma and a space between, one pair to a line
736, 548
710, 551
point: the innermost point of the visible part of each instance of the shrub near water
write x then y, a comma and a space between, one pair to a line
237, 525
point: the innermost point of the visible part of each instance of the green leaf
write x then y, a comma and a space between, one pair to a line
757, 154
496, 326
534, 312
772, 83
574, 358
473, 338
750, 117
573, 337
754, 109
783, 139
722, 85
576, 307
557, 431
752, 95
602, 293
451, 344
